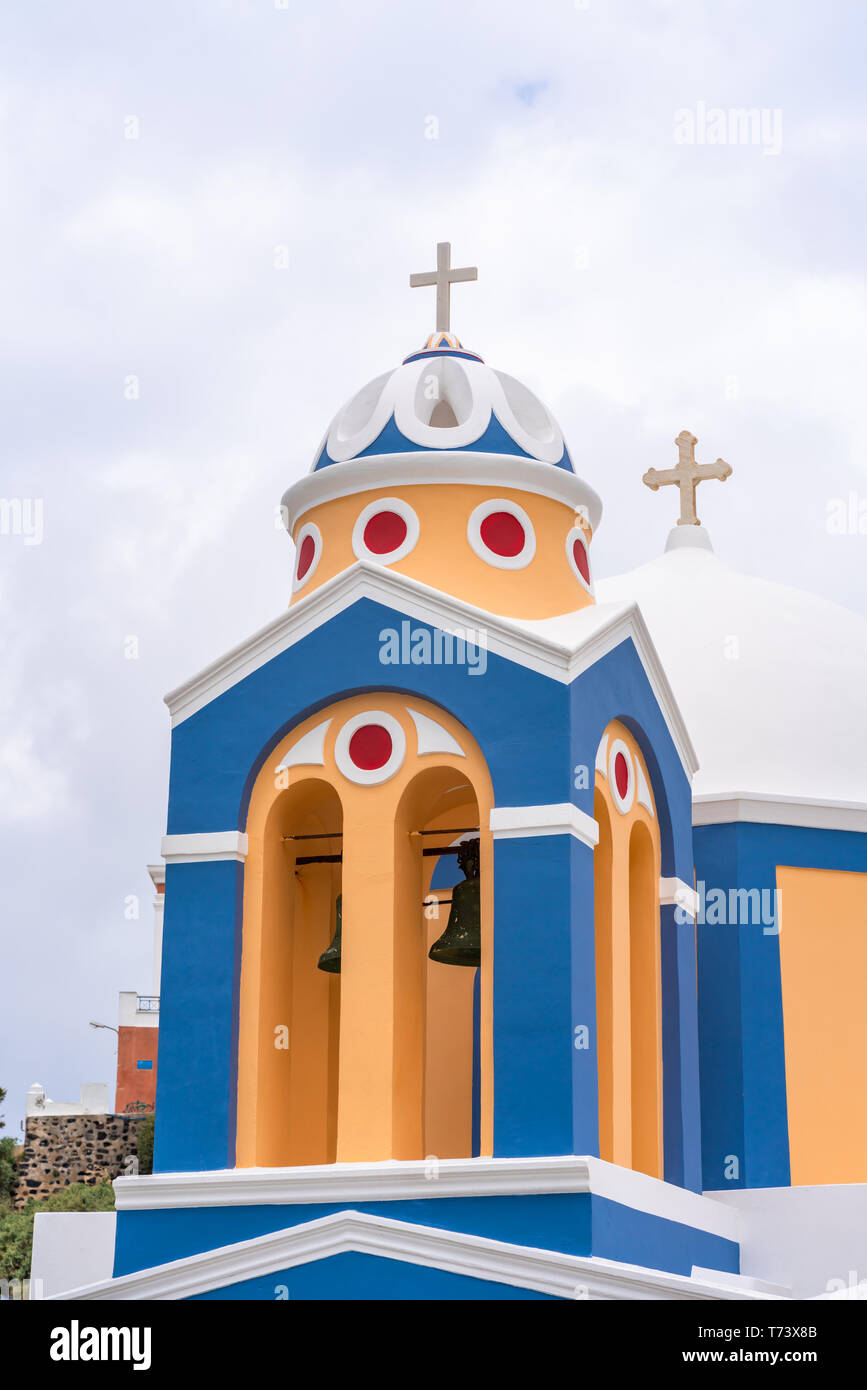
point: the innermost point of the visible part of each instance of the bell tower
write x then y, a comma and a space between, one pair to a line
427, 835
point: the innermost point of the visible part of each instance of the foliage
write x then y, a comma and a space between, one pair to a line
16, 1227
145, 1145
7, 1169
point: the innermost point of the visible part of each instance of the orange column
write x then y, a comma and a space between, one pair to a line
379, 1111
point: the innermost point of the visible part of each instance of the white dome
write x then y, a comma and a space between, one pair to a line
444, 400
771, 681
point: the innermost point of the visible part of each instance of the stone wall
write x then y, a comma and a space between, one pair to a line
62, 1149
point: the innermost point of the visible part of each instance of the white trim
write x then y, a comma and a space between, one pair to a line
480, 514
432, 737
673, 892
407, 515
598, 629
454, 1252
308, 529
370, 777
602, 757
577, 533
439, 466
623, 803
411, 1179
720, 808
205, 848
642, 790
309, 751
563, 818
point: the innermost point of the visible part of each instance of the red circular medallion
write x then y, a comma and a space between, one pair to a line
579, 554
384, 532
503, 534
305, 556
370, 747
621, 775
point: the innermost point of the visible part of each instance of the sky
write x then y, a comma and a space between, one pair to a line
211, 212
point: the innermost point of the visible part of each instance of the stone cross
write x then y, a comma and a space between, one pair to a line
687, 475
443, 277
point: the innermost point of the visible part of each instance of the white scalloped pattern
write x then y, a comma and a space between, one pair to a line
466, 391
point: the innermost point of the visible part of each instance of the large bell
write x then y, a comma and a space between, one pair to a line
330, 958
461, 942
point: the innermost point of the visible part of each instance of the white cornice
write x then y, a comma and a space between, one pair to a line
544, 1271
673, 892
445, 466
205, 847
411, 1179
560, 648
721, 808
521, 822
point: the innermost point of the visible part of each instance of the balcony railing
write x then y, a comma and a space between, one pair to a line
148, 1004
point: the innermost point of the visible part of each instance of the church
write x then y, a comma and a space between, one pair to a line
515, 921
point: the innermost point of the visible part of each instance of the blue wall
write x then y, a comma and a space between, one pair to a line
572, 1224
742, 1056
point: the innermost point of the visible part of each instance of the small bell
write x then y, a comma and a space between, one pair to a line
461, 942
330, 958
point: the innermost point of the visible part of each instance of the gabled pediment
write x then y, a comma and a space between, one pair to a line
559, 648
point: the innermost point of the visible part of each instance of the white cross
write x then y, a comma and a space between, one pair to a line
443, 277
687, 475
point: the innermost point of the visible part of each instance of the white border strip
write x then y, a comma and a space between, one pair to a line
673, 892
563, 818
720, 808
440, 466
476, 1257
204, 849
411, 1179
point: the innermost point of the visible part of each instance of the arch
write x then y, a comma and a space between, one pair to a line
375, 1095
645, 1013
628, 969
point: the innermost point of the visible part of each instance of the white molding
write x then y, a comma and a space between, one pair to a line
673, 892
596, 630
578, 533
312, 530
370, 777
204, 848
623, 803
439, 466
563, 818
491, 557
413, 1179
721, 808
431, 737
454, 1252
408, 516
309, 750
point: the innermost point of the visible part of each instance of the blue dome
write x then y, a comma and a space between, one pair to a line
444, 398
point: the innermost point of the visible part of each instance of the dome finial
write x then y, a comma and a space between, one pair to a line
443, 277
687, 475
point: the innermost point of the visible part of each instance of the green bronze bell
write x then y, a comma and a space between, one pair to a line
330, 958
461, 942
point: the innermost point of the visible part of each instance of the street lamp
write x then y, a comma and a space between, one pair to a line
103, 1025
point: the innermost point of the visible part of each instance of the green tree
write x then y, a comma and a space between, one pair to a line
145, 1145
7, 1162
16, 1227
